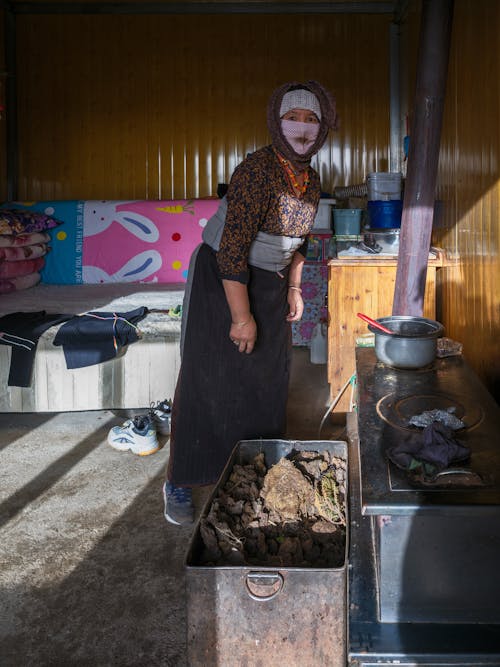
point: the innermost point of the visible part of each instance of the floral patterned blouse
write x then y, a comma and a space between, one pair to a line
260, 198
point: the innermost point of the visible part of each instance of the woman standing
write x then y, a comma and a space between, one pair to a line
243, 292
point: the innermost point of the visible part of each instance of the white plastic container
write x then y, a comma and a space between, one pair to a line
384, 186
323, 219
319, 351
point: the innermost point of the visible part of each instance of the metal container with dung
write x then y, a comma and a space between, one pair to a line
259, 614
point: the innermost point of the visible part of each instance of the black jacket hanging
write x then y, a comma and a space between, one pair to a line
97, 336
22, 331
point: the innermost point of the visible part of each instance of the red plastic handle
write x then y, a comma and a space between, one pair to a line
374, 323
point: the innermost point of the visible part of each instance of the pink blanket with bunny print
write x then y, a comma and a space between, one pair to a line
141, 241
122, 241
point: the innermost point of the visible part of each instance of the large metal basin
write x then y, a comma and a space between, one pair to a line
260, 615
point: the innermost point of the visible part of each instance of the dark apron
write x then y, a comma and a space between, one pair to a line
222, 395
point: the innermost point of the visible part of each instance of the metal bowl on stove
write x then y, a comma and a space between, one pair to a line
412, 344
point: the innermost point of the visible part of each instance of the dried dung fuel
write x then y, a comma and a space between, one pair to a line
290, 515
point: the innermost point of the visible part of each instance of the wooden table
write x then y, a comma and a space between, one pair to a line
362, 285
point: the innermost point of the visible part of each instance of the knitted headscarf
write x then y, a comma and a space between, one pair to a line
328, 121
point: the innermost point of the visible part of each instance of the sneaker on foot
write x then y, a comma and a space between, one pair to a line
137, 434
161, 413
178, 504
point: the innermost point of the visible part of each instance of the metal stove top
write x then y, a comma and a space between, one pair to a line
423, 563
387, 398
397, 410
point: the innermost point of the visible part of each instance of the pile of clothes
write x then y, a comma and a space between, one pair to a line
428, 456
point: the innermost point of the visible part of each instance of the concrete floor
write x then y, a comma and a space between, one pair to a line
90, 572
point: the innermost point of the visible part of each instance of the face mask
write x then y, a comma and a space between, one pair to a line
300, 136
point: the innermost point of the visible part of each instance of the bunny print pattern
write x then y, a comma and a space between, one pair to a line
141, 241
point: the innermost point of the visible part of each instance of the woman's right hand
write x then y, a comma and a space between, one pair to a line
244, 334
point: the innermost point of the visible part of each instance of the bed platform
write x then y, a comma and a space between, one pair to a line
143, 372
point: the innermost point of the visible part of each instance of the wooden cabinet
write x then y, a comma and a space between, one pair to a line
361, 286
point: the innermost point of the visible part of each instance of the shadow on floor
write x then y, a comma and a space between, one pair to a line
90, 572
124, 603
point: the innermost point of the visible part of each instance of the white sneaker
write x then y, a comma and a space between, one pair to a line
161, 414
137, 434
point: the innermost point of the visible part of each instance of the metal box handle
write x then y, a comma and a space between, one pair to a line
262, 586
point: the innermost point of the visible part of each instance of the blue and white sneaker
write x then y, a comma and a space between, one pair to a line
161, 414
137, 434
179, 507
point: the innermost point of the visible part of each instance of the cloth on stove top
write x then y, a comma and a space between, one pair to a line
430, 452
447, 417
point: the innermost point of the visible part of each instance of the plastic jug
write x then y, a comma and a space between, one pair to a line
319, 348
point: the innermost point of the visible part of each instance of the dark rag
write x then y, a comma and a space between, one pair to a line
97, 336
22, 331
431, 451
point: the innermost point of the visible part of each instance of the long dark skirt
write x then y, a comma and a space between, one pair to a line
222, 395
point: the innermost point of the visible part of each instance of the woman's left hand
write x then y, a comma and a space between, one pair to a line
296, 305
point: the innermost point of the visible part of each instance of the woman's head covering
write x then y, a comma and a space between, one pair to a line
294, 95
300, 99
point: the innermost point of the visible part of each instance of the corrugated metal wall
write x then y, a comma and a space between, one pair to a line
124, 106
166, 106
3, 138
468, 224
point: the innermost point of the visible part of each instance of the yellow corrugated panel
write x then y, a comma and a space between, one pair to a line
3, 142
469, 188
165, 3
121, 106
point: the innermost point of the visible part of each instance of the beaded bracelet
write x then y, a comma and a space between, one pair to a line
299, 289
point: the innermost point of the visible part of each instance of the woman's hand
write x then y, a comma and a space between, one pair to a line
295, 303
243, 331
244, 334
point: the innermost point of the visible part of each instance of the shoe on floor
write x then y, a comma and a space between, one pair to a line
179, 507
137, 434
161, 413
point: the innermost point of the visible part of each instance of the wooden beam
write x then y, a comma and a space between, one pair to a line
159, 7
423, 157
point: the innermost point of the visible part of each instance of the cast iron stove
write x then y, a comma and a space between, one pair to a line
424, 583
